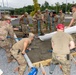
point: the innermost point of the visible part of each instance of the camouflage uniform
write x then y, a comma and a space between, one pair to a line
61, 52
74, 17
35, 23
39, 18
5, 30
24, 22
55, 21
0, 16
16, 52
47, 20
62, 18
74, 34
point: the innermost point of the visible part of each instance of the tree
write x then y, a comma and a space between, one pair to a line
46, 4
36, 7
57, 7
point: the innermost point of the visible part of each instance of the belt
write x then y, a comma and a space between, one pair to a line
2, 40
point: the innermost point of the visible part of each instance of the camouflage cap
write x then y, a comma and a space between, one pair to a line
46, 9
26, 13
38, 10
7, 17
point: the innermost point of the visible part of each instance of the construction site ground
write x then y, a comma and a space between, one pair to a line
39, 52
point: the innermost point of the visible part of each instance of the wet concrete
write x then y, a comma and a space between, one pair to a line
40, 50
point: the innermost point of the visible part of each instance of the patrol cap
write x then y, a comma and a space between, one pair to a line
38, 10
7, 17
31, 35
26, 13
46, 9
60, 26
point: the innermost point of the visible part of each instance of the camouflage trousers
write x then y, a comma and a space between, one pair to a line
48, 27
25, 29
20, 59
62, 60
35, 26
6, 45
39, 26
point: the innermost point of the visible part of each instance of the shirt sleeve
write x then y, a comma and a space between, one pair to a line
74, 15
10, 30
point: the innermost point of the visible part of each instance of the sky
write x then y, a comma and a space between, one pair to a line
22, 3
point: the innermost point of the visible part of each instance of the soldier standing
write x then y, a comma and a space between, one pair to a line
24, 23
62, 17
39, 22
18, 49
35, 23
54, 21
0, 16
5, 30
47, 20
73, 21
62, 43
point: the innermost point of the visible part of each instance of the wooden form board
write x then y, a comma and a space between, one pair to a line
46, 62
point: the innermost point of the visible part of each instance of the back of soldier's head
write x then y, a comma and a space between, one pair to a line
31, 35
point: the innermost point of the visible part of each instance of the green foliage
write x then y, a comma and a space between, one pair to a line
36, 7
31, 25
32, 13
31, 9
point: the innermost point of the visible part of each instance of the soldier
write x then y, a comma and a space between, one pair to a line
0, 16
62, 43
24, 23
73, 21
5, 30
54, 21
62, 17
35, 23
47, 20
18, 49
39, 22
51, 20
